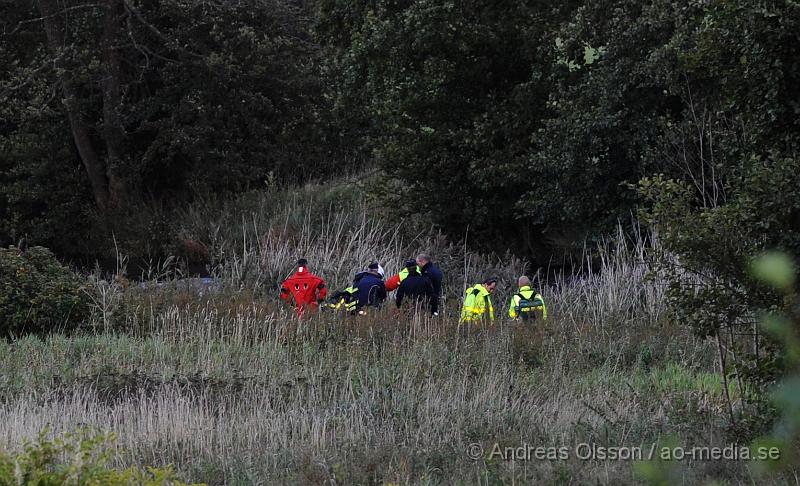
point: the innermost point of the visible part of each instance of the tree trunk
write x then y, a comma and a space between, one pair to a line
112, 100
724, 376
95, 168
107, 187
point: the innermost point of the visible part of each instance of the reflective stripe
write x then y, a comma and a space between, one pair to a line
349, 302
477, 303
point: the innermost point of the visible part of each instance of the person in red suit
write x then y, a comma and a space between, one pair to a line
304, 288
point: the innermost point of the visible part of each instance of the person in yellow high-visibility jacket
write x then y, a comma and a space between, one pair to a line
478, 303
526, 303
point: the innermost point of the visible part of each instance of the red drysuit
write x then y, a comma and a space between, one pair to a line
305, 288
393, 282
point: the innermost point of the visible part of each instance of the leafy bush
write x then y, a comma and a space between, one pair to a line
86, 462
711, 287
779, 271
37, 293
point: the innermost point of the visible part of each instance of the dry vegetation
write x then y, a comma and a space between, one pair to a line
228, 387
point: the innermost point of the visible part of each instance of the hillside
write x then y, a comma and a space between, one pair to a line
229, 387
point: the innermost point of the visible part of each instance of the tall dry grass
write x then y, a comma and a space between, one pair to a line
256, 240
351, 403
229, 386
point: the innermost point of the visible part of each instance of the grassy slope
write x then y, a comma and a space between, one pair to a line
229, 388
397, 403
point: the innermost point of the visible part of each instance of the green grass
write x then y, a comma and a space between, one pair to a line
230, 389
390, 405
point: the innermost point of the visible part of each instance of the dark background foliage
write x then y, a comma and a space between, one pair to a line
520, 126
178, 100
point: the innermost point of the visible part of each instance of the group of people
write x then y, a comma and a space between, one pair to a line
417, 285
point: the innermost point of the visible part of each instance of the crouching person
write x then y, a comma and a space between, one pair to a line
371, 290
304, 289
368, 290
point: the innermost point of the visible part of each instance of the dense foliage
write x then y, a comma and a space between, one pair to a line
87, 462
38, 294
729, 190
106, 104
447, 96
538, 118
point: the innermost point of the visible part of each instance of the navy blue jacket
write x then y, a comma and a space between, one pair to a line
415, 287
371, 289
433, 273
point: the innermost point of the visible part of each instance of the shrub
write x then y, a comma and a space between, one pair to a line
80, 458
37, 293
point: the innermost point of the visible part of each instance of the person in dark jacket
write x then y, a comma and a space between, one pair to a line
371, 288
367, 290
415, 288
431, 271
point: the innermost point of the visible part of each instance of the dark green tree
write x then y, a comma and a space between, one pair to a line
107, 103
608, 96
728, 191
447, 96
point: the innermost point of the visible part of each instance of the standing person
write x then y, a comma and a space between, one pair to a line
306, 289
478, 303
526, 303
431, 271
415, 288
371, 290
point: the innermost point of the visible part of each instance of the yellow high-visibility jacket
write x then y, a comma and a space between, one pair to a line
477, 305
404, 272
535, 304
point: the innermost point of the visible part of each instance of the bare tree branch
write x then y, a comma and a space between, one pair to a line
63, 11
171, 42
